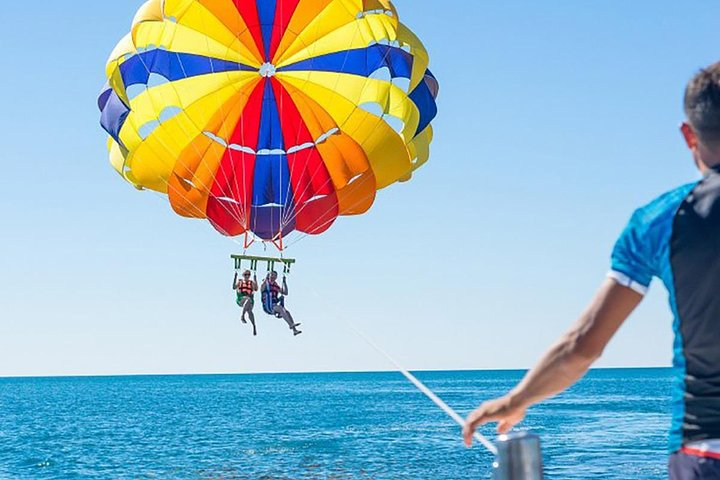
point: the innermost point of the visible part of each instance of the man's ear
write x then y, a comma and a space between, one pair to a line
689, 135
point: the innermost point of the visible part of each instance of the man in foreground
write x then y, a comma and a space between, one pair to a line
677, 239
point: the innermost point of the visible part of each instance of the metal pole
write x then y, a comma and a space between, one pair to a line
519, 457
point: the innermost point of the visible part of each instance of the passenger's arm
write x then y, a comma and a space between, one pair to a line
565, 362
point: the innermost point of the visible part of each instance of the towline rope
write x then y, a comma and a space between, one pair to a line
418, 384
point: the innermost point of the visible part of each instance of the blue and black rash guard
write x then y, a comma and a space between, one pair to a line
677, 239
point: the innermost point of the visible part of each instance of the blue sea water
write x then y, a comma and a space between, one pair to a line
612, 425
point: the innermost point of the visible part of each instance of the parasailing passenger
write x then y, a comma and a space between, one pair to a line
246, 288
273, 300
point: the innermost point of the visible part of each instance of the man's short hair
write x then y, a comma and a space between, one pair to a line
702, 104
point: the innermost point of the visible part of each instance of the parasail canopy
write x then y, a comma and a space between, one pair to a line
268, 116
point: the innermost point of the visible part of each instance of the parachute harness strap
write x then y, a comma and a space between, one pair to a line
248, 241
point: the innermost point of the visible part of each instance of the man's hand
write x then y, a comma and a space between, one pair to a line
565, 362
502, 410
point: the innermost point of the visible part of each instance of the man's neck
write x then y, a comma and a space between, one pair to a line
708, 165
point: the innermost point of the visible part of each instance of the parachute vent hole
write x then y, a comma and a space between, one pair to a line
188, 183
241, 148
215, 138
148, 128
155, 80
169, 112
228, 200
377, 11
315, 198
394, 122
355, 178
134, 90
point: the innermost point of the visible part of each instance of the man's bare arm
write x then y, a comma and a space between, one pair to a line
284, 289
565, 362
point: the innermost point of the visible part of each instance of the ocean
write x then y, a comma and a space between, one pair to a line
611, 425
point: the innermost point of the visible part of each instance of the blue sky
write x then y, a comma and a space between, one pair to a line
556, 121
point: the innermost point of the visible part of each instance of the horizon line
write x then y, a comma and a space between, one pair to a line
313, 372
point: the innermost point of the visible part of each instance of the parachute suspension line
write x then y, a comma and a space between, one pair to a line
292, 212
315, 224
295, 212
307, 187
170, 187
278, 240
286, 213
164, 200
197, 152
337, 81
241, 214
319, 223
248, 241
243, 217
414, 380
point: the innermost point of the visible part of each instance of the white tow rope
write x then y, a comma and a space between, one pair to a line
425, 390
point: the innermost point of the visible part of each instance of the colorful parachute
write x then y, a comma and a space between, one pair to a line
268, 116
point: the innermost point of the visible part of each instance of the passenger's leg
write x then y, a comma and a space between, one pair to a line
242, 303
282, 311
248, 308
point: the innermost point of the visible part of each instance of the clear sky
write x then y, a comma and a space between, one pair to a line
556, 120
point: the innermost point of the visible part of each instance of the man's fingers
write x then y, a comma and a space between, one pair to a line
504, 426
509, 422
478, 417
497, 410
467, 435
471, 423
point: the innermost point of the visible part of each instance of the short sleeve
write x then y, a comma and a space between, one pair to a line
641, 251
632, 260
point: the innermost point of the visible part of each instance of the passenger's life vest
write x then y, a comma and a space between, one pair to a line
270, 297
245, 287
274, 291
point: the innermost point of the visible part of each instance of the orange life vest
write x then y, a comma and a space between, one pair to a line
245, 287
